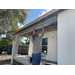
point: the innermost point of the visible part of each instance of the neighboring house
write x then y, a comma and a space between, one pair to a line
24, 44
59, 37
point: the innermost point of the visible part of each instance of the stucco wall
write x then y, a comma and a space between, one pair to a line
52, 46
66, 37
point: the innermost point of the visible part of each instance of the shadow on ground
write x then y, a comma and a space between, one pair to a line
8, 61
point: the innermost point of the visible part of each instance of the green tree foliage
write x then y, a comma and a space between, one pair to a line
8, 41
27, 41
9, 19
5, 42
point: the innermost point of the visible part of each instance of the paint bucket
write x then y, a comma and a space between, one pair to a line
28, 59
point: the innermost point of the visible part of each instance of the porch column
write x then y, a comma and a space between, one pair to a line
16, 45
30, 48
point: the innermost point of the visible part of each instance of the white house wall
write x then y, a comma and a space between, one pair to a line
66, 37
52, 46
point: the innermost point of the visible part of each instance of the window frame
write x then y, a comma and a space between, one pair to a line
45, 45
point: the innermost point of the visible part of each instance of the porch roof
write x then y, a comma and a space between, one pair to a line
43, 18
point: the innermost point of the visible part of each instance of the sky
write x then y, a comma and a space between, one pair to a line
33, 14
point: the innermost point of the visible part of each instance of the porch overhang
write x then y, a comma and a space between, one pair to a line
49, 20
49, 25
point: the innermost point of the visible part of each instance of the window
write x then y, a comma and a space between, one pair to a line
44, 44
44, 41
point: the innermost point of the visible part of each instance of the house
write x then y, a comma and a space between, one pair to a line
59, 37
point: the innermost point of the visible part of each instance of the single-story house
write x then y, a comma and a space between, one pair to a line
58, 40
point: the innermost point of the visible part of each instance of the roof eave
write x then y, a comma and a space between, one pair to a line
49, 13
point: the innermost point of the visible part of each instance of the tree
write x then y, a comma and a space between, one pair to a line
9, 19
8, 41
27, 41
5, 42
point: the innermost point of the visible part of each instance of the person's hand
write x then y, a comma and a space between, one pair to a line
42, 32
34, 29
42, 27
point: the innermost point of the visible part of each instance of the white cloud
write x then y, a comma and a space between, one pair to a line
18, 24
21, 26
44, 12
48, 10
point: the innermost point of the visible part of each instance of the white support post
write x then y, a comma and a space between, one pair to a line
16, 45
12, 52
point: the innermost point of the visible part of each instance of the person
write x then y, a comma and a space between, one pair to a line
37, 47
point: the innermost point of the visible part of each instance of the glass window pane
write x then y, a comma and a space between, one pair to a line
44, 49
44, 41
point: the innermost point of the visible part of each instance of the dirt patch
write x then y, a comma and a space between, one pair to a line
5, 59
4, 62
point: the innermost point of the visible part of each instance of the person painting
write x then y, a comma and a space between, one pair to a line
37, 47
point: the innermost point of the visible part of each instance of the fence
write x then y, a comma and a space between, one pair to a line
23, 49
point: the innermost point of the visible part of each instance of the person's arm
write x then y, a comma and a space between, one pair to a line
33, 33
42, 32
